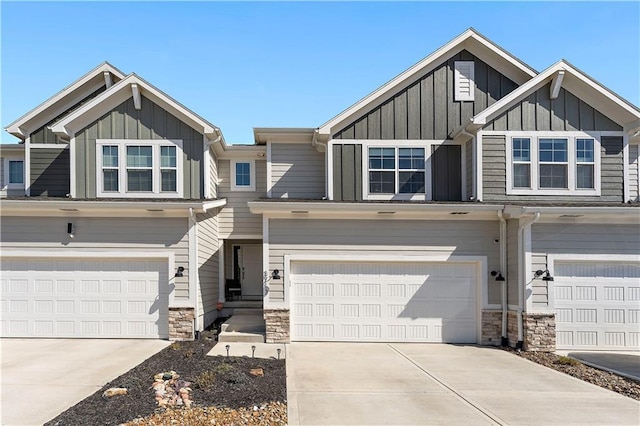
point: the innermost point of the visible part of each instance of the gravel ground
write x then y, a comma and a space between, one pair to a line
575, 368
223, 390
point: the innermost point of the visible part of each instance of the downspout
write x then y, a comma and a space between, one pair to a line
522, 258
503, 269
193, 268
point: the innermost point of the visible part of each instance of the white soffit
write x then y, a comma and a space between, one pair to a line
63, 100
470, 40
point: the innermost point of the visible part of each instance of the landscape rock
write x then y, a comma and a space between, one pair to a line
113, 392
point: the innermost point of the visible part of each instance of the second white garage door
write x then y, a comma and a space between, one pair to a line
89, 298
384, 302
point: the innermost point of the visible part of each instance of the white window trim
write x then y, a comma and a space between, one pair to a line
571, 189
6, 185
428, 180
122, 168
460, 95
252, 171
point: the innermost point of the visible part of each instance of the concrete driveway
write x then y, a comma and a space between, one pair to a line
41, 378
418, 384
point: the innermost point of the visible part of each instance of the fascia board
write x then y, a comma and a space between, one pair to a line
282, 134
518, 211
466, 40
16, 127
9, 204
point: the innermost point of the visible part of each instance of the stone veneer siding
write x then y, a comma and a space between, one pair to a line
512, 328
491, 328
181, 323
539, 332
277, 325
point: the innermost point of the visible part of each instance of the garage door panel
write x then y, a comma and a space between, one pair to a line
392, 302
102, 300
596, 305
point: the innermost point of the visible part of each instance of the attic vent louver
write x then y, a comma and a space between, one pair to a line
464, 80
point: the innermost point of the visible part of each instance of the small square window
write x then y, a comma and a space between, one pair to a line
242, 176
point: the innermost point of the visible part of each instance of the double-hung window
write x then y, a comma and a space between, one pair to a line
546, 164
396, 170
139, 168
13, 173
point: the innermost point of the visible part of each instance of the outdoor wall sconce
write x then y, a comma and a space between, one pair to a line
276, 274
546, 277
498, 275
180, 271
71, 230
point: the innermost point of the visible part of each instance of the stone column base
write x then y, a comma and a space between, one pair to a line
512, 328
181, 323
539, 332
277, 325
491, 328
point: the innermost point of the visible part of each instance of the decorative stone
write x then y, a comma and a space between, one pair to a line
181, 323
113, 392
491, 328
277, 325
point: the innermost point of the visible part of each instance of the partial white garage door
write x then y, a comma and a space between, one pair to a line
92, 298
384, 302
597, 305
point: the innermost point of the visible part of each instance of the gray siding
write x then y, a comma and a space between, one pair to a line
540, 112
512, 262
50, 171
235, 217
45, 135
150, 122
103, 234
336, 237
468, 147
213, 175
634, 153
347, 172
587, 239
297, 171
426, 109
208, 289
494, 177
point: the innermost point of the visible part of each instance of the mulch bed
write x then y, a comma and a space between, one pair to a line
222, 388
575, 368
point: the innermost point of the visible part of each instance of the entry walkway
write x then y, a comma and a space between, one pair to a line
420, 384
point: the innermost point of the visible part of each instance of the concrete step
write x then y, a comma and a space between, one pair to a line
238, 336
244, 323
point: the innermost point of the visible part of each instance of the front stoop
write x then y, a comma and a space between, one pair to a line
246, 325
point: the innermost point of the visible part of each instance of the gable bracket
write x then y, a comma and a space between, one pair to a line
556, 84
137, 102
108, 79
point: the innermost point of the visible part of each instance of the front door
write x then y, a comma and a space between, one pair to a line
447, 173
247, 266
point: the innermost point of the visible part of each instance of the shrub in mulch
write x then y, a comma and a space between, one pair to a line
220, 382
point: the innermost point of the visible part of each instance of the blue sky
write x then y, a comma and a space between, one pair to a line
286, 64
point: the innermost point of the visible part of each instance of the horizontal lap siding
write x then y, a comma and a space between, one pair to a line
50, 173
633, 172
344, 237
150, 122
427, 109
494, 173
208, 289
235, 217
297, 171
103, 234
580, 239
513, 276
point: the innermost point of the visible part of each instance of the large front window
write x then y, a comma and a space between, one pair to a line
135, 168
553, 165
396, 170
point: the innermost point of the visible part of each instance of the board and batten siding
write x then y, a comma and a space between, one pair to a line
103, 235
50, 172
208, 289
427, 109
297, 171
634, 189
45, 135
494, 173
150, 122
341, 238
235, 217
580, 239
565, 113
347, 172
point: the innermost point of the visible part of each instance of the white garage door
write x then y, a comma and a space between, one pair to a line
597, 305
93, 298
384, 302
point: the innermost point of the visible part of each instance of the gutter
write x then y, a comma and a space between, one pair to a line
522, 272
503, 270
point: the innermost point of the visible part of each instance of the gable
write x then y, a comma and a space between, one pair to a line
565, 113
427, 109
